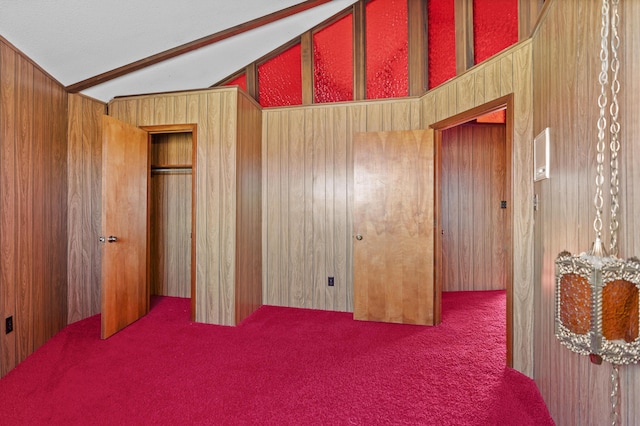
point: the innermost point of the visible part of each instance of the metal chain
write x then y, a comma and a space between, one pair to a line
615, 397
615, 183
615, 128
602, 120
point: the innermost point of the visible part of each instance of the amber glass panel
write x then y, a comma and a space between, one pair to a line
442, 41
387, 49
620, 311
333, 62
575, 303
495, 27
240, 80
280, 79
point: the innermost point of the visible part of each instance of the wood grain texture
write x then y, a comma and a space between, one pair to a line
394, 207
84, 157
223, 120
565, 86
501, 74
248, 259
473, 184
171, 206
464, 35
33, 214
417, 41
308, 197
528, 14
125, 186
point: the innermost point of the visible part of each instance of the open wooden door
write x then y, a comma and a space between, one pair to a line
394, 227
125, 172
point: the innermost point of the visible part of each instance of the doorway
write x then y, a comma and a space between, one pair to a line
172, 158
480, 205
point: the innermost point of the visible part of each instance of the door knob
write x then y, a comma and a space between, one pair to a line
358, 237
112, 239
102, 239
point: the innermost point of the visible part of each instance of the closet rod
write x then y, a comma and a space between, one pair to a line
171, 170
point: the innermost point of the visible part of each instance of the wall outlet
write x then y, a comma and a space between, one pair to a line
330, 281
8, 325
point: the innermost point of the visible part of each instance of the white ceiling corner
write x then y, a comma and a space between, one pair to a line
77, 39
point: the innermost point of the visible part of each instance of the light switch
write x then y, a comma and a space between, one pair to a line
541, 155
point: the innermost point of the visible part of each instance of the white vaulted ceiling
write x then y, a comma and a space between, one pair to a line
75, 40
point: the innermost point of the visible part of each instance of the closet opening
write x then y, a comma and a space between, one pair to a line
171, 210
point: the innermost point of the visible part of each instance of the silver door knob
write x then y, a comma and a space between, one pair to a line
112, 239
102, 239
358, 237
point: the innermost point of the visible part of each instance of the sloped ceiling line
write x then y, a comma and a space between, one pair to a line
193, 45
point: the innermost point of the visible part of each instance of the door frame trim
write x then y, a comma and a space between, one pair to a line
507, 103
167, 129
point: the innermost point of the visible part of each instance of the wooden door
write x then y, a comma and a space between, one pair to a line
125, 171
394, 227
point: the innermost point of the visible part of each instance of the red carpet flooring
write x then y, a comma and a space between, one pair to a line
281, 366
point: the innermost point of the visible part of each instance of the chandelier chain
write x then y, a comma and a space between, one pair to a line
615, 396
614, 128
602, 120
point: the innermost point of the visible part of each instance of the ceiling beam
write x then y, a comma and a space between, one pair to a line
193, 45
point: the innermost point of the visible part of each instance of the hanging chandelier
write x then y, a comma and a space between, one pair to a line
597, 294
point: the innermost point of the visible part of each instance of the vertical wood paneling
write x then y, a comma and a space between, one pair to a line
272, 178
84, 157
24, 187
220, 203
309, 236
473, 184
502, 75
39, 262
8, 228
294, 255
228, 204
248, 287
466, 91
308, 180
630, 181
341, 260
287, 234
319, 193
565, 72
171, 215
33, 190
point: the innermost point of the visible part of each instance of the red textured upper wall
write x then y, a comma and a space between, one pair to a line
333, 62
387, 49
280, 79
441, 26
495, 27
240, 80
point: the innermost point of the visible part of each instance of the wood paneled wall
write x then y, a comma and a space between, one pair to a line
170, 226
170, 234
308, 201
248, 188
228, 181
308, 179
33, 206
566, 66
506, 73
473, 222
84, 199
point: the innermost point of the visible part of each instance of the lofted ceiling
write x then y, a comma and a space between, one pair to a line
80, 42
